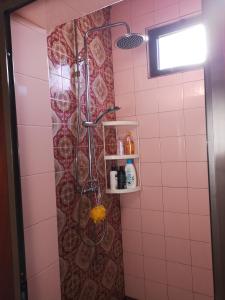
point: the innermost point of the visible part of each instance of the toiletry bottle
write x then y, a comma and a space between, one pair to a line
113, 177
121, 178
128, 144
120, 147
131, 176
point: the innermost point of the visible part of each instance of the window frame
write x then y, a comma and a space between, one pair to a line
154, 33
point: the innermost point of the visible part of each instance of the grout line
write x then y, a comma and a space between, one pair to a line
39, 173
56, 262
40, 222
34, 77
170, 261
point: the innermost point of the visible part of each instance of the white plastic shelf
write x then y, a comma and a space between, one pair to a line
120, 123
123, 191
118, 157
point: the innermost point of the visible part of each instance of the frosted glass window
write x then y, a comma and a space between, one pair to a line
186, 47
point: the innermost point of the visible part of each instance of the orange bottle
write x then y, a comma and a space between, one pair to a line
129, 144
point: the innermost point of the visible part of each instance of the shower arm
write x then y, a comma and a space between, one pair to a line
87, 85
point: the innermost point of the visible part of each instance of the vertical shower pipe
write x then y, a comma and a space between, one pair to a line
87, 94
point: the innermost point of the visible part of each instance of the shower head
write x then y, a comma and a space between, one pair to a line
130, 41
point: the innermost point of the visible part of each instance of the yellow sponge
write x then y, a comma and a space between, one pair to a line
98, 213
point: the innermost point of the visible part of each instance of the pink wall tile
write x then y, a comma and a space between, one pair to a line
139, 24
201, 254
169, 80
36, 156
37, 258
37, 111
202, 297
197, 174
39, 199
178, 294
53, 291
196, 148
132, 241
35, 149
23, 57
194, 94
167, 14
151, 174
141, 7
131, 219
150, 150
194, 75
198, 201
188, 7
153, 245
45, 285
202, 281
170, 98
152, 222
146, 102
122, 60
141, 80
176, 225
178, 250
37, 287
156, 291
164, 3
130, 200
127, 104
123, 82
139, 55
151, 198
133, 264
159, 104
200, 228
155, 269
121, 12
195, 121
176, 121
179, 275
149, 126
174, 174
175, 200
173, 149
135, 287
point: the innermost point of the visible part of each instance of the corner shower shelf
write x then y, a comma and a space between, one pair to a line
120, 123
107, 158
125, 191
117, 157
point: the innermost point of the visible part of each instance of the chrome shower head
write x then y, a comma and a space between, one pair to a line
130, 41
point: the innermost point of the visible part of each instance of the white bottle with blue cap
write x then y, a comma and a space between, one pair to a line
131, 176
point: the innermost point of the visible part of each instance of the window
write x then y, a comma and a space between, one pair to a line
177, 47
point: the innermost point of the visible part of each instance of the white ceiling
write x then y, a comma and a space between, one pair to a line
50, 13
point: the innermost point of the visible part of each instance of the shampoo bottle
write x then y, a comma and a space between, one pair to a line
113, 178
129, 144
131, 176
121, 178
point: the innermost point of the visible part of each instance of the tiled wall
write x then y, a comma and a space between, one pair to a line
86, 272
166, 228
36, 160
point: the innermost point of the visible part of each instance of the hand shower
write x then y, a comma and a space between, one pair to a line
95, 123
